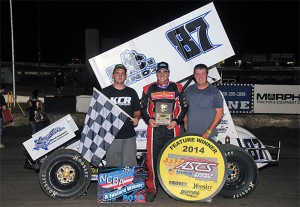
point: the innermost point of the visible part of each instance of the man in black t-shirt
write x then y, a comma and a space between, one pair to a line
122, 151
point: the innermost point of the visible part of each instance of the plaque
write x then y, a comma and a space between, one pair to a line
163, 113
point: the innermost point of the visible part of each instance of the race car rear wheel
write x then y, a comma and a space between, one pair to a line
242, 172
65, 174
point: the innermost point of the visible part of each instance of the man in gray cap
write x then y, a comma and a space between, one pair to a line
122, 151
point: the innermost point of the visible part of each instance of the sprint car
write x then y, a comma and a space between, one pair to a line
65, 174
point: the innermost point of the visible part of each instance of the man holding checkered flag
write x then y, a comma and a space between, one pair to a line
109, 124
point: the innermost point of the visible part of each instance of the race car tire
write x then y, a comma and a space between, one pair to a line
242, 172
65, 174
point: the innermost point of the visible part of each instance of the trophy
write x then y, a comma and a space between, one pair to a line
163, 113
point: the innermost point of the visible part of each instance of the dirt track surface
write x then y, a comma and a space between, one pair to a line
277, 186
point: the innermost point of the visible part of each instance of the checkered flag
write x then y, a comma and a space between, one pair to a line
102, 122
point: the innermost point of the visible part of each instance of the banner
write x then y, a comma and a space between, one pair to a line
238, 97
191, 168
279, 99
123, 184
197, 37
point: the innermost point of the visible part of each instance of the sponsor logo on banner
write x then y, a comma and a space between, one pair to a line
277, 99
193, 158
116, 179
238, 97
194, 167
121, 185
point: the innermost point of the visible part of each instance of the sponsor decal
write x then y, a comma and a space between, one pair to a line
191, 39
224, 122
256, 146
121, 101
276, 97
195, 167
116, 179
203, 187
190, 193
140, 134
47, 188
123, 191
245, 192
138, 66
163, 95
178, 183
44, 141
222, 129
238, 97
121, 185
191, 168
281, 98
80, 161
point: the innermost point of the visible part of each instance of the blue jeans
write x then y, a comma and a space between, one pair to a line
35, 126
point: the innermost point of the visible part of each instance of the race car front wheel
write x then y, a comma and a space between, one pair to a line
65, 174
242, 172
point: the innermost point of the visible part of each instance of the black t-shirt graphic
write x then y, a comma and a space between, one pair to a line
128, 100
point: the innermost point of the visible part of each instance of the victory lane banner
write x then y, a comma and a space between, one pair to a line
191, 168
121, 184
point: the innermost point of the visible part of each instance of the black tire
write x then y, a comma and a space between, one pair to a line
242, 172
65, 174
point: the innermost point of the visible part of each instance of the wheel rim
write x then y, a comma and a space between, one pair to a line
66, 174
235, 175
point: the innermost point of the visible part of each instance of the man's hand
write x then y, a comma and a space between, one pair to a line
185, 126
205, 135
152, 123
172, 125
135, 121
185, 122
136, 117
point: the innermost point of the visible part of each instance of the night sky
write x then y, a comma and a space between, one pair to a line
251, 26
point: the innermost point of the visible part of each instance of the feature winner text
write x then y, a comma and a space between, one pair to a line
191, 148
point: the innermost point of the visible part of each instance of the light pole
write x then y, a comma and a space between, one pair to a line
39, 39
12, 53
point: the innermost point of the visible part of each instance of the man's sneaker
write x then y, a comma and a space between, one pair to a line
1, 146
150, 197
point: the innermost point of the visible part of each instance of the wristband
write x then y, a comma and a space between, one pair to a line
208, 131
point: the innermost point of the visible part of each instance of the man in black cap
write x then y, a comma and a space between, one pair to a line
163, 110
122, 151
